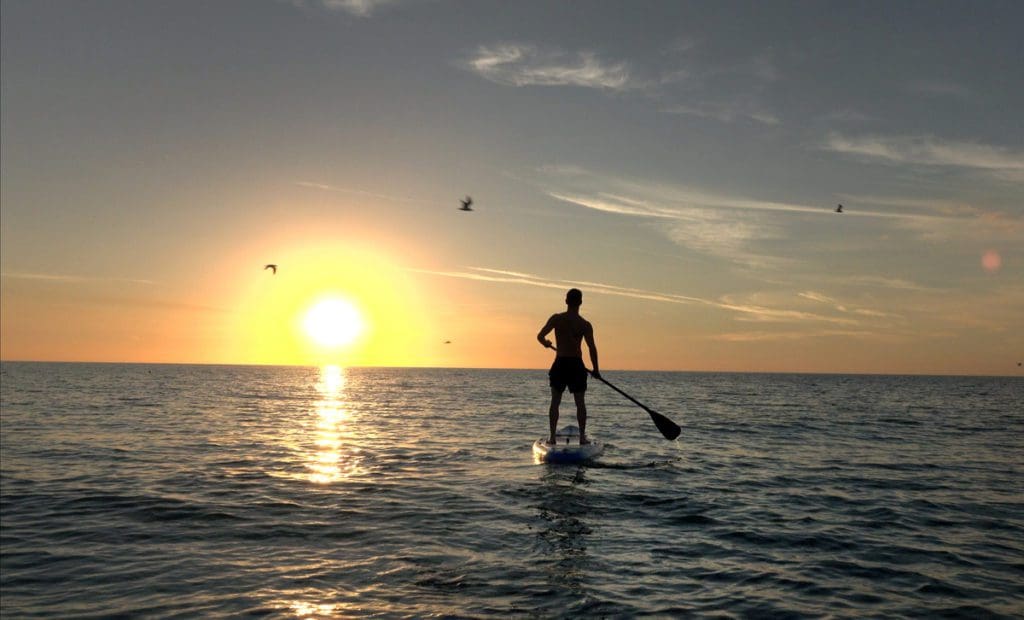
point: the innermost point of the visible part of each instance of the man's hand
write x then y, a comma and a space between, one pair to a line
547, 344
596, 373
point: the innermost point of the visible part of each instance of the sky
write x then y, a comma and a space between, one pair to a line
679, 162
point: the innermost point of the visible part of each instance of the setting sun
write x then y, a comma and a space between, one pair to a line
333, 323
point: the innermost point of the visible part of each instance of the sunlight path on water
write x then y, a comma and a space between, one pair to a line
352, 492
333, 459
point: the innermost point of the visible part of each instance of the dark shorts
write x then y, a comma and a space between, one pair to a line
568, 372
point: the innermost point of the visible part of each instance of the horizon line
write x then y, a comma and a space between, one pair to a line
539, 369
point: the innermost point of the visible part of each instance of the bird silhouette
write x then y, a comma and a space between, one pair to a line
449, 342
839, 209
465, 204
271, 267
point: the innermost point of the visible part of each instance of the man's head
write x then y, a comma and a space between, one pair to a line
574, 298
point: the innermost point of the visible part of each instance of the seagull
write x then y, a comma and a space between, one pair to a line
271, 267
839, 209
449, 342
465, 204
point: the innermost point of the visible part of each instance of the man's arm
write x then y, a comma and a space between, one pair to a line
592, 347
544, 331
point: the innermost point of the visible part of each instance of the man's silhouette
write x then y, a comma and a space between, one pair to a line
568, 369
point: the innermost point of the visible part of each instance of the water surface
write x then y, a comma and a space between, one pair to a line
295, 492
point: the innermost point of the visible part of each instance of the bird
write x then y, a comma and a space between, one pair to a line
271, 267
465, 204
839, 209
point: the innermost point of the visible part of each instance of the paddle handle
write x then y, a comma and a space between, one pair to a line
591, 372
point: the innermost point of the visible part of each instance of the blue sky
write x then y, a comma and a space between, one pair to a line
681, 161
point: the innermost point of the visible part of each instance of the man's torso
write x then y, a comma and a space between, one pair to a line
569, 332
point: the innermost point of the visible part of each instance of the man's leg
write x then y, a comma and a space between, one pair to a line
581, 415
556, 399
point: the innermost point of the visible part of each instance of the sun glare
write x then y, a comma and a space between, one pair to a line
333, 323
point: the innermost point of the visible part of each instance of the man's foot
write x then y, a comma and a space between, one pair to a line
552, 441
583, 440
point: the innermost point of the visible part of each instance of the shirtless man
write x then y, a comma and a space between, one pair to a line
568, 369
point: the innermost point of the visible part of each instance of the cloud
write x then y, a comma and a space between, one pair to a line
706, 222
728, 92
71, 279
525, 65
359, 8
818, 297
941, 206
615, 204
845, 307
725, 112
744, 230
745, 310
942, 219
885, 282
776, 336
693, 221
928, 151
344, 190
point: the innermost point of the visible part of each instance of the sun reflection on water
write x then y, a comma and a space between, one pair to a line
314, 610
332, 460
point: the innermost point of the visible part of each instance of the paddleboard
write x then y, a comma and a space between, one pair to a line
567, 448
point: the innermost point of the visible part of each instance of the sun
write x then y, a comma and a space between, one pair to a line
333, 323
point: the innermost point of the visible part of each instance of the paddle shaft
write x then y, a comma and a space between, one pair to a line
667, 427
608, 383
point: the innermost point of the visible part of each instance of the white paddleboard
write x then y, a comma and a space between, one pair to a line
567, 448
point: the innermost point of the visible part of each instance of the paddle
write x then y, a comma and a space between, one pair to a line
667, 427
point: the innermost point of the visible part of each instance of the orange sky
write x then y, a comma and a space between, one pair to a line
681, 168
417, 314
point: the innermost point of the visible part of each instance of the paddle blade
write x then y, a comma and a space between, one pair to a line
667, 427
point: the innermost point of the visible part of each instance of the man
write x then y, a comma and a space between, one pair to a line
568, 369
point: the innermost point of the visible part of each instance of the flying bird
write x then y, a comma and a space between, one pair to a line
271, 267
465, 204
449, 342
839, 209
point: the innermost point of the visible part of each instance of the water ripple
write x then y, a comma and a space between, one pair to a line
181, 491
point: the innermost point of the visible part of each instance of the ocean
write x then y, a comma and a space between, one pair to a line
223, 491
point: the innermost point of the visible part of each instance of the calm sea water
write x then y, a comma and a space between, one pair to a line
158, 491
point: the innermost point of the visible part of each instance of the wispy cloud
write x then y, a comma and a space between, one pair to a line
818, 297
728, 91
693, 223
744, 310
802, 334
744, 230
676, 202
347, 190
360, 8
725, 112
516, 64
703, 221
928, 151
940, 206
71, 279
844, 307
940, 219
898, 284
